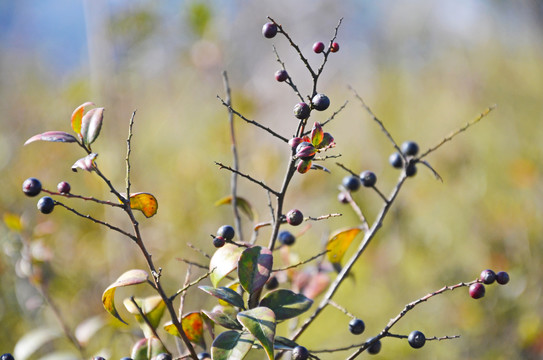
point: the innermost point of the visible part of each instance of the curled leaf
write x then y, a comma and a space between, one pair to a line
226, 294
285, 303
254, 268
260, 322
223, 262
144, 202
131, 277
77, 115
316, 134
305, 151
339, 243
86, 163
223, 319
91, 125
320, 167
303, 166
193, 327
153, 309
53, 136
327, 141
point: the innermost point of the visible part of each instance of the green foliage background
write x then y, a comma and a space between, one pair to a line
425, 68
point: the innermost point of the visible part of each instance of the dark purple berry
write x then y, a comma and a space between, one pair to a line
163, 356
410, 148
204, 356
488, 276
356, 326
227, 232
126, 358
7, 356
368, 178
63, 187
318, 47
295, 217
374, 348
396, 160
411, 170
46, 205
335, 47
502, 277
301, 111
31, 187
286, 238
320, 102
343, 198
300, 353
94, 358
269, 30
218, 241
477, 290
416, 339
351, 183
272, 283
281, 75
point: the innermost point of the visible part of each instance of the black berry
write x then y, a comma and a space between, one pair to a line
374, 348
410, 148
356, 326
488, 276
272, 283
335, 47
368, 178
318, 47
300, 353
218, 241
396, 160
163, 356
204, 356
295, 217
411, 170
63, 187
31, 187
286, 237
301, 110
7, 356
502, 277
351, 183
477, 290
281, 75
269, 30
46, 205
320, 102
416, 339
227, 232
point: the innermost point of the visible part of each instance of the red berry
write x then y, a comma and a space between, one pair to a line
281, 75
318, 47
477, 290
63, 187
334, 47
295, 217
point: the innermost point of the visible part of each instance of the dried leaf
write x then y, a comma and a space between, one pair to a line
144, 202
339, 243
86, 163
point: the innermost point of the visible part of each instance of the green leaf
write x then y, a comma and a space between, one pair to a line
223, 319
254, 268
286, 304
131, 277
77, 115
223, 262
241, 203
231, 345
53, 136
283, 343
144, 347
144, 202
260, 322
225, 294
153, 309
339, 243
316, 134
91, 125
32, 341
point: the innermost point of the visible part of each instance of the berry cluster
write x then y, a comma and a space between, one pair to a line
32, 187
477, 290
225, 234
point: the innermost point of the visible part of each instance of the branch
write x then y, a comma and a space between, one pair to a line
128, 151
87, 198
266, 187
302, 262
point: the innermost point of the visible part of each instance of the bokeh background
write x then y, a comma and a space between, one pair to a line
424, 67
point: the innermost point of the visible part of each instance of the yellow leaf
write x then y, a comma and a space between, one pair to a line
144, 202
241, 203
339, 242
13, 222
77, 115
131, 277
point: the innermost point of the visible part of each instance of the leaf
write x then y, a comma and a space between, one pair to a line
303, 166
77, 115
241, 203
254, 268
91, 125
32, 341
131, 277
223, 319
86, 163
13, 222
339, 243
193, 326
317, 284
53, 136
223, 262
286, 304
153, 309
260, 322
225, 294
231, 345
88, 328
284, 343
316, 134
144, 202
147, 348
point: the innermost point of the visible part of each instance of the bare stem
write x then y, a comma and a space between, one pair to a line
153, 330
86, 198
128, 151
302, 262
249, 177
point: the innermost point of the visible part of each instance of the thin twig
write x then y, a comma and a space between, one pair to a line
86, 198
302, 262
144, 316
189, 262
187, 286
341, 308
325, 57
289, 79
249, 177
198, 250
128, 151
323, 124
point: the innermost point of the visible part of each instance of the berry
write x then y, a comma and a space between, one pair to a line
272, 283
368, 178
416, 339
46, 205
320, 102
31, 187
269, 30
286, 238
295, 217
375, 347
94, 358
502, 277
300, 353
351, 183
411, 170
204, 356
301, 110
63, 187
343, 198
126, 358
395, 160
318, 47
477, 290
488, 276
218, 241
356, 326
334, 47
410, 148
227, 232
7, 356
281, 75
163, 356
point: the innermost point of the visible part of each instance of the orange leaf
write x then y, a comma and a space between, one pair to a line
144, 202
77, 115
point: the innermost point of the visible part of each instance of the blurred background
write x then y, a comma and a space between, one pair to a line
424, 67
